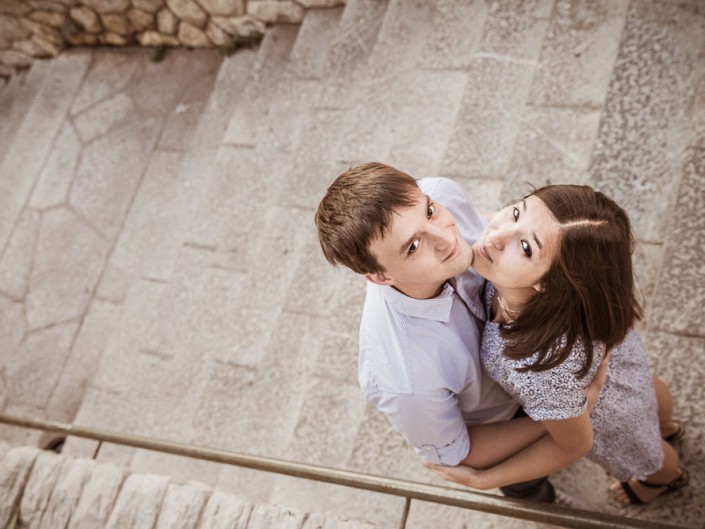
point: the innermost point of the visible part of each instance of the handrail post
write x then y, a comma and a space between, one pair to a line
405, 513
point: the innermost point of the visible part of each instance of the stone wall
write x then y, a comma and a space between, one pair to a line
31, 29
43, 489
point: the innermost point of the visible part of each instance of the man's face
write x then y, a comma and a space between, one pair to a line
421, 250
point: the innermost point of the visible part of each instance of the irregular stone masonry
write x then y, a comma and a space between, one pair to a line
43, 489
31, 29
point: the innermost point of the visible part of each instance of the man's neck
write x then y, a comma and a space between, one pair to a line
421, 291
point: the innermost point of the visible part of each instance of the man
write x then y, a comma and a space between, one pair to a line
423, 317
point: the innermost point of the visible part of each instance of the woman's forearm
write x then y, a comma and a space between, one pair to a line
566, 442
492, 443
542, 458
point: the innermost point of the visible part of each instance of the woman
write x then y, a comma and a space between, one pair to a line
561, 295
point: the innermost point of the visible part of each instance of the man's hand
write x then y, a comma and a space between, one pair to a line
592, 392
461, 474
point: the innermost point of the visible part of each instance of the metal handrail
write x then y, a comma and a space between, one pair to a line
478, 501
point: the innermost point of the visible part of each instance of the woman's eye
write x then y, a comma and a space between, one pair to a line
414, 246
526, 247
515, 214
431, 210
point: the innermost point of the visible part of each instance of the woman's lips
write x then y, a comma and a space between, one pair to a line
484, 252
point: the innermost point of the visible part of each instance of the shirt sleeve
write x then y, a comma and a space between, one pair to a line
433, 425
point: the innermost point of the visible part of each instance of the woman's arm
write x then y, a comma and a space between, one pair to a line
492, 443
568, 441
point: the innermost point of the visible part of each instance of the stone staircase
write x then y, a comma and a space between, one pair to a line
160, 273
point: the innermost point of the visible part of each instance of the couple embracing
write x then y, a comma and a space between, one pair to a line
503, 351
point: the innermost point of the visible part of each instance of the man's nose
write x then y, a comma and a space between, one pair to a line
443, 237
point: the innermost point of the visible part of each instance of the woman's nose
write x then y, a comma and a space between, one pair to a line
498, 238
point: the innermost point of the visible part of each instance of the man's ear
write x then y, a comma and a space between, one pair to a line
378, 278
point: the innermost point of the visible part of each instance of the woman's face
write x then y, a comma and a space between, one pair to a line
517, 247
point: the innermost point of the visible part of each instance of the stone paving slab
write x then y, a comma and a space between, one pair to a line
16, 266
54, 183
15, 100
35, 134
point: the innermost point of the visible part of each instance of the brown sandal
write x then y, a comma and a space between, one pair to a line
680, 482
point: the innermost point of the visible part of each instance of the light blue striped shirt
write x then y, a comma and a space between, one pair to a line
420, 358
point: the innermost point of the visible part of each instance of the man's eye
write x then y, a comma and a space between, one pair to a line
413, 246
515, 214
431, 210
526, 247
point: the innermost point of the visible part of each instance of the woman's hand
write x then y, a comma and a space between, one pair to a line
461, 474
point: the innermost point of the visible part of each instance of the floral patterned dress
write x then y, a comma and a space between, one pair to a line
627, 439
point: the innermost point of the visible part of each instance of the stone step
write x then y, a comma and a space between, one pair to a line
272, 59
499, 79
318, 30
359, 27
569, 87
645, 126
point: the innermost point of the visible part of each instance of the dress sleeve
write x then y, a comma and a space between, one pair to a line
432, 424
557, 393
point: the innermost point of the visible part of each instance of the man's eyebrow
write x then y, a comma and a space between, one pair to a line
538, 243
405, 245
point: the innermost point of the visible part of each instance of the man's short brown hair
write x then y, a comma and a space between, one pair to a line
358, 208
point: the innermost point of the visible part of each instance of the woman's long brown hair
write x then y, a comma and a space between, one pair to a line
588, 292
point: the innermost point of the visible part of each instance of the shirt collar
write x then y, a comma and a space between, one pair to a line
437, 308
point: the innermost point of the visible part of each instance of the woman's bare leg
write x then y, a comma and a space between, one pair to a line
665, 408
669, 471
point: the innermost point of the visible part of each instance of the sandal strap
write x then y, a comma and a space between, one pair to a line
633, 498
681, 481
678, 434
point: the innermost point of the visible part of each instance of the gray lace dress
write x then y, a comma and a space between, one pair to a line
627, 439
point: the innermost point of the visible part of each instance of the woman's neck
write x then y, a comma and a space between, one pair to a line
510, 302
